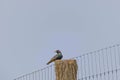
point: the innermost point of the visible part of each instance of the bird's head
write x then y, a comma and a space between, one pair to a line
58, 51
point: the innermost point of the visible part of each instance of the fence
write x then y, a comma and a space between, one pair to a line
103, 64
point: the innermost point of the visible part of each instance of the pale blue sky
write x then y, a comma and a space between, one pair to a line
31, 30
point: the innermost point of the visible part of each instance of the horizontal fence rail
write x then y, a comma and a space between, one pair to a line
103, 64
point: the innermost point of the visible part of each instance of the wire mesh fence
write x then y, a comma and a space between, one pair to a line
103, 64
46, 73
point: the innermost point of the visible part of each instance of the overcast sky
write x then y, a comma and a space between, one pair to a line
31, 30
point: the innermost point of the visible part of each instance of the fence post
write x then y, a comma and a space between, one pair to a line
66, 69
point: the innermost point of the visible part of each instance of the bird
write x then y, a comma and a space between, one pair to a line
58, 56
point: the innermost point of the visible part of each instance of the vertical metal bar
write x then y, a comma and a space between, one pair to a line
107, 56
92, 64
78, 68
23, 77
103, 60
111, 62
118, 50
100, 64
33, 75
38, 74
42, 73
45, 73
90, 77
26, 77
115, 57
81, 68
115, 62
96, 65
88, 66
84, 66
51, 72
29, 77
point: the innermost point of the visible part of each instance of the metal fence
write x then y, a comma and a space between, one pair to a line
103, 64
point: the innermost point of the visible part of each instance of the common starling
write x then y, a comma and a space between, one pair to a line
58, 56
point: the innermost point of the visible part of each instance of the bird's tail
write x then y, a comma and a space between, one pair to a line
49, 62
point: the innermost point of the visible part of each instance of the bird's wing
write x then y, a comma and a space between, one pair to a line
55, 57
